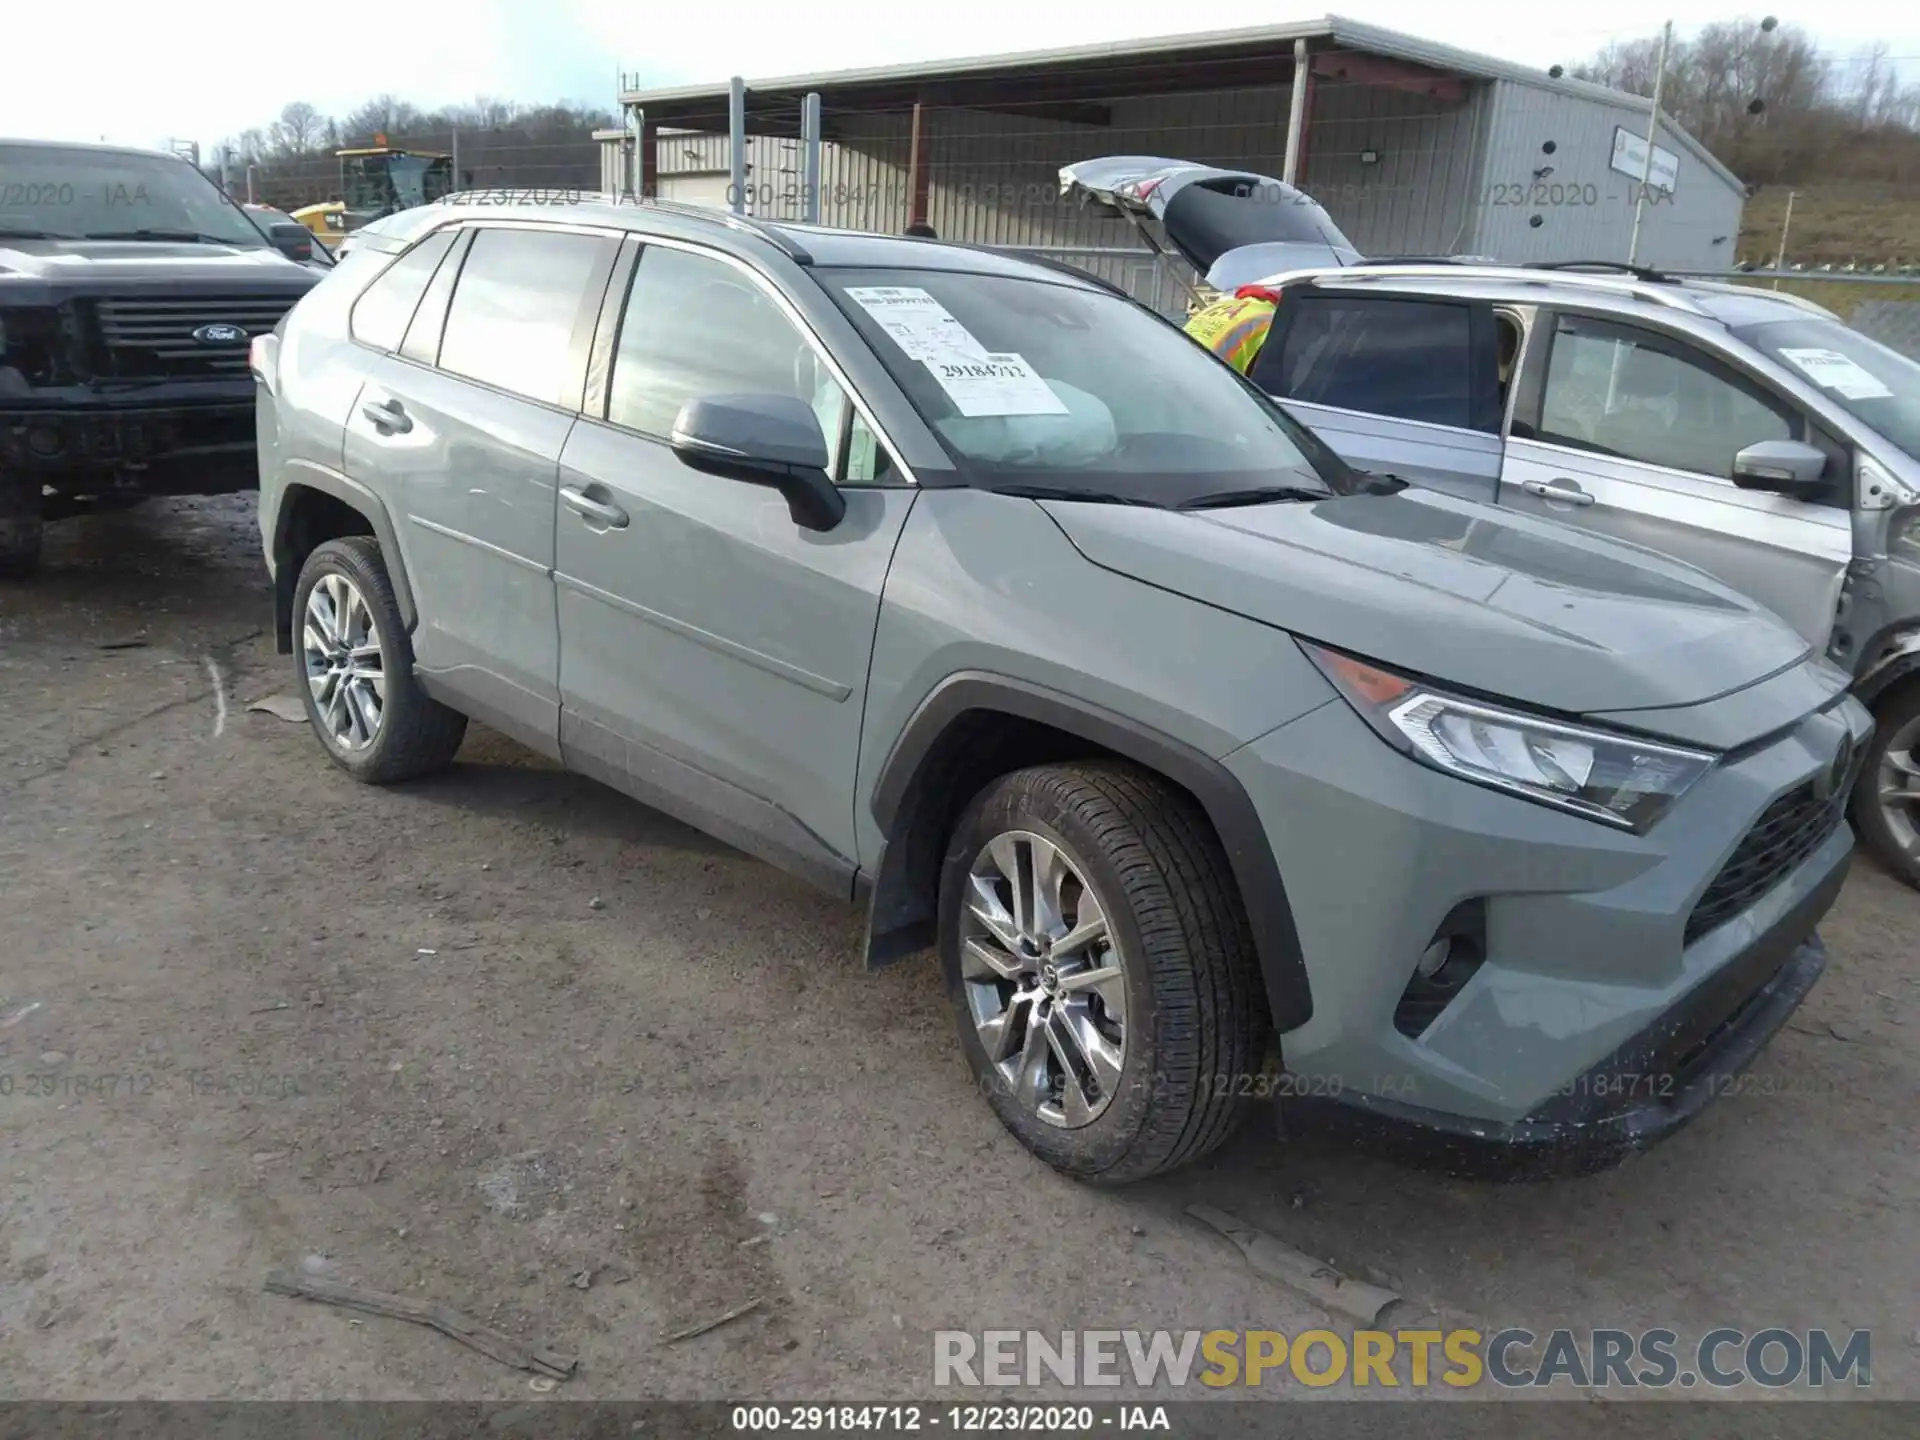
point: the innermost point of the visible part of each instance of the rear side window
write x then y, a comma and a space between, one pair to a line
381, 314
1407, 359
515, 308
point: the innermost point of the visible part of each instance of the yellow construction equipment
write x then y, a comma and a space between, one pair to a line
377, 181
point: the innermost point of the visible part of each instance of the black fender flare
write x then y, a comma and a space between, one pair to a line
1893, 668
357, 496
900, 918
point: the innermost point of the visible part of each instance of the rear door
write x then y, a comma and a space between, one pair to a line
462, 427
1405, 385
1632, 432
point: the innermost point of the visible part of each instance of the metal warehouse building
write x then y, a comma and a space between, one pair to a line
1414, 147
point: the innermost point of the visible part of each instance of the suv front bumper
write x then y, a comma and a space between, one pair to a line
1594, 1023
201, 448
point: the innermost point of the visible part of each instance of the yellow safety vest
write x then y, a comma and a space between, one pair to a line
1234, 329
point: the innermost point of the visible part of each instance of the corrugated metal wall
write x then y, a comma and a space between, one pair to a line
1585, 206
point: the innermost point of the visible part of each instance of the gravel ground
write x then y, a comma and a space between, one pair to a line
507, 1041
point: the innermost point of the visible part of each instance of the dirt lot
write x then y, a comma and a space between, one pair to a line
507, 1041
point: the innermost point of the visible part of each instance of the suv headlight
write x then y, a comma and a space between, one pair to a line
1616, 779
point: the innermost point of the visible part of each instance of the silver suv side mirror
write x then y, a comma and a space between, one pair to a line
1786, 467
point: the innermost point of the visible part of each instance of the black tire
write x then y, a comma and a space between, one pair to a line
1196, 1021
416, 735
1895, 716
21, 526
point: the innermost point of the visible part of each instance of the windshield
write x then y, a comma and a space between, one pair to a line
377, 183
1864, 377
72, 193
1045, 387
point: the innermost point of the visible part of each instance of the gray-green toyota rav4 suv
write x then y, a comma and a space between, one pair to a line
968, 589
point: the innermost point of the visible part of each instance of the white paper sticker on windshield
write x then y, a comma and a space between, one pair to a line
994, 385
918, 323
1833, 371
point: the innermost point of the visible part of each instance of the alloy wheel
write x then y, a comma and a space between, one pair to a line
1899, 788
1044, 977
341, 647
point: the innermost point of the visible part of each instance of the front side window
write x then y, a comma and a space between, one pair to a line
510, 324
381, 314
64, 192
1408, 359
1629, 393
1039, 386
695, 326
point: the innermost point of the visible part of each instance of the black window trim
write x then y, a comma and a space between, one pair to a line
580, 337
353, 336
435, 320
605, 343
1530, 397
1485, 412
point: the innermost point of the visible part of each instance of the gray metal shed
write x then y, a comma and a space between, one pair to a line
1414, 147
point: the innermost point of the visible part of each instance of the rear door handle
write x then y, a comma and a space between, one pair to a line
581, 503
389, 417
1560, 492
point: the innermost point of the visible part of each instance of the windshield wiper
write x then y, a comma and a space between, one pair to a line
182, 237
1055, 492
1379, 482
1254, 495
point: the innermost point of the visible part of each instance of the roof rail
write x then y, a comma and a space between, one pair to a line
746, 224
1638, 272
1666, 293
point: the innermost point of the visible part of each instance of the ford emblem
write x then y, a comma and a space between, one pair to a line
220, 334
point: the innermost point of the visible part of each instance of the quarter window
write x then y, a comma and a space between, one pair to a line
1408, 359
514, 310
381, 313
1625, 392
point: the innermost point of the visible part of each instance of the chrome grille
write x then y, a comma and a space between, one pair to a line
1788, 830
154, 336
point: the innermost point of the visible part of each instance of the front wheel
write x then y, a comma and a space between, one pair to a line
1886, 797
1100, 969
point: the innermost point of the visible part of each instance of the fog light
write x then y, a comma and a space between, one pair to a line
44, 441
1434, 957
1449, 961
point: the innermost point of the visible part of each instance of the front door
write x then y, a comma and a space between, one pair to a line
1633, 433
713, 654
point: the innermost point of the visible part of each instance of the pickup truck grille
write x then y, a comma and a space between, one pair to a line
154, 336
1788, 830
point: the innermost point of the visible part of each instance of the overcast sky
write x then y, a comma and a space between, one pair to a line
206, 69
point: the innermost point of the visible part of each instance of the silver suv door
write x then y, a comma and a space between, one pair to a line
713, 654
1401, 384
1631, 432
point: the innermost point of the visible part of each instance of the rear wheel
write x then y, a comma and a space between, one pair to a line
1886, 797
356, 670
1100, 969
21, 523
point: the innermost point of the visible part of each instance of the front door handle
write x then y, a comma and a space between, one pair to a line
1558, 492
389, 417
581, 503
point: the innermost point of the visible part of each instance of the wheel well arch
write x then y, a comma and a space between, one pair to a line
312, 512
974, 728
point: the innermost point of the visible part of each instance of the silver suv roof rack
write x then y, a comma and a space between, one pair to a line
746, 224
1666, 293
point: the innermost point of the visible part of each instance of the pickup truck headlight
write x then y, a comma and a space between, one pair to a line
1616, 779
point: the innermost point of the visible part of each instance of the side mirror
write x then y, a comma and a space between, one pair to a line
292, 240
1786, 467
771, 440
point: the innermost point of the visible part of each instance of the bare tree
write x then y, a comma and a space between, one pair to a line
299, 129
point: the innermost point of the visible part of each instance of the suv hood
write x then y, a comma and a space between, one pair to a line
59, 264
1233, 226
1461, 593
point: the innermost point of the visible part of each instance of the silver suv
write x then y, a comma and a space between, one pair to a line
1746, 431
965, 588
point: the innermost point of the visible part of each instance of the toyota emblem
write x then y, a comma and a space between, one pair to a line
220, 334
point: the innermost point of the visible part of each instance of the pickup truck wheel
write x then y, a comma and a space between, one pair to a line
1100, 968
356, 670
1886, 797
21, 524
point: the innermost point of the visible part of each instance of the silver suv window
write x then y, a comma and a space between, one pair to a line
514, 307
1864, 377
1630, 393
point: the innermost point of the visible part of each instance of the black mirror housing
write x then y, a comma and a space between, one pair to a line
771, 440
291, 240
